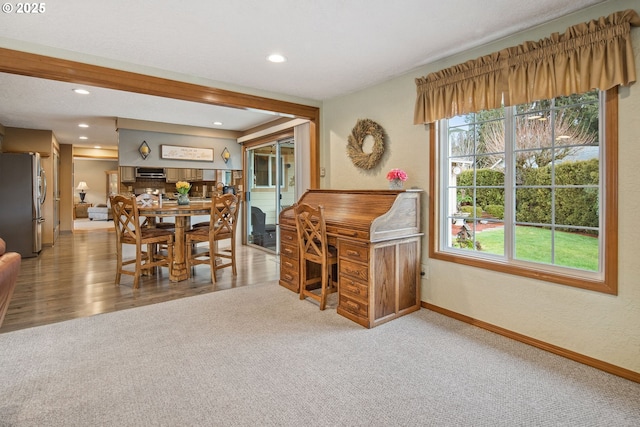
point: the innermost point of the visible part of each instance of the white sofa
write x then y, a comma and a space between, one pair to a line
100, 212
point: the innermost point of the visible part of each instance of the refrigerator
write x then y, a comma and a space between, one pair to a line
23, 189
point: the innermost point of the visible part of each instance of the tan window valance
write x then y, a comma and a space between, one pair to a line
593, 55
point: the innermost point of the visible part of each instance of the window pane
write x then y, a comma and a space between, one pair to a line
490, 236
461, 140
261, 170
577, 206
533, 205
533, 131
533, 167
533, 244
490, 200
577, 250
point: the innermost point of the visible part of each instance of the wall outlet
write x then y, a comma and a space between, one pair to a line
323, 172
424, 271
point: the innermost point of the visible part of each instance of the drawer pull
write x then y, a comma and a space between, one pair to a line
354, 290
286, 236
348, 233
350, 271
287, 250
288, 277
351, 252
288, 264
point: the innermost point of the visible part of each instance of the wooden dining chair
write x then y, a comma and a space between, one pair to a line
129, 231
222, 226
312, 242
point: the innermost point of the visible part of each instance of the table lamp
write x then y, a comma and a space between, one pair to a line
82, 186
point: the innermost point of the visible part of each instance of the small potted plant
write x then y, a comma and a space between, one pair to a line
183, 187
396, 178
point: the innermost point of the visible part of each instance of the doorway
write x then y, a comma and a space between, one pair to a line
270, 188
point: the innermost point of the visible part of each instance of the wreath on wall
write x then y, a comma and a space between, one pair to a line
362, 129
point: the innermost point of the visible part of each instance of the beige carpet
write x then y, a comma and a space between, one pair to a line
258, 356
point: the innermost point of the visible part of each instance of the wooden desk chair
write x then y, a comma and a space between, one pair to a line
312, 241
129, 231
148, 200
222, 226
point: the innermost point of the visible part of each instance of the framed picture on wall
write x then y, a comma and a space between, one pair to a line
178, 152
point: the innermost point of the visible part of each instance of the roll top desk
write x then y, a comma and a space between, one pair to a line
378, 237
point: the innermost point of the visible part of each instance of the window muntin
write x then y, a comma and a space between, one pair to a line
532, 200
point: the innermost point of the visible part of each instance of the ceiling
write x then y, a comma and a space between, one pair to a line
333, 47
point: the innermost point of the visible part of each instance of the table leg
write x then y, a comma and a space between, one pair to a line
179, 270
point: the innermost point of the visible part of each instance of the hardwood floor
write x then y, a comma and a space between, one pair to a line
75, 278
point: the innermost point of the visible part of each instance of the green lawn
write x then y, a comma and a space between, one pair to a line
534, 244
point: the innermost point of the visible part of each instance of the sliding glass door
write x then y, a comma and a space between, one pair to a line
270, 188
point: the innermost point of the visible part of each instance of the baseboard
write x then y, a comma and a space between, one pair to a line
580, 358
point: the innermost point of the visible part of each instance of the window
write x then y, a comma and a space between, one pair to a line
265, 170
530, 190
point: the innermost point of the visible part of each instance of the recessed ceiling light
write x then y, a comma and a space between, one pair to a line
217, 123
84, 137
276, 57
81, 91
97, 146
83, 125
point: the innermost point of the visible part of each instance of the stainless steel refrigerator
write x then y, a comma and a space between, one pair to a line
23, 189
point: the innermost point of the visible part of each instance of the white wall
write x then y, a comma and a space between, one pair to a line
601, 326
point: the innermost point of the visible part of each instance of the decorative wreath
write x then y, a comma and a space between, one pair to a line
363, 128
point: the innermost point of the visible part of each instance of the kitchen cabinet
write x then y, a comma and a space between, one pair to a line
127, 174
173, 174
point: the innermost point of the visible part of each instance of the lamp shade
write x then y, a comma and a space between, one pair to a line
82, 186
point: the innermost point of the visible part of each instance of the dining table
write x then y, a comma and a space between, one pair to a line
182, 214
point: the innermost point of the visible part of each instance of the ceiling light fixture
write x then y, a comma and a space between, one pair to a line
84, 137
83, 125
276, 57
82, 91
217, 123
97, 147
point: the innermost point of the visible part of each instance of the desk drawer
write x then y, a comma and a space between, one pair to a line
288, 250
355, 270
347, 232
354, 288
353, 306
289, 276
354, 252
288, 263
288, 236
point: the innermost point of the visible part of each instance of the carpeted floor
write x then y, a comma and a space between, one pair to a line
258, 356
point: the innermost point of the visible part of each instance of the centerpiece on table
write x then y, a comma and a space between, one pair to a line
183, 187
396, 178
